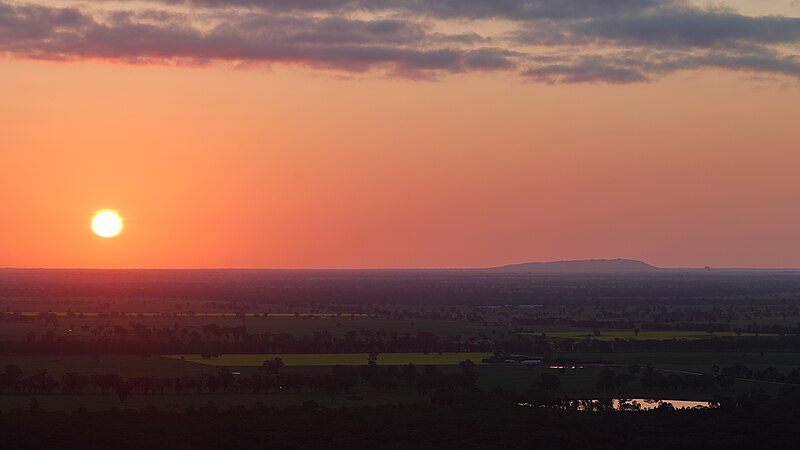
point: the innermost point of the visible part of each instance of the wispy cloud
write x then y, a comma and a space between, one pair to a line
554, 41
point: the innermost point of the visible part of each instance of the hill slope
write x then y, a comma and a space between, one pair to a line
582, 266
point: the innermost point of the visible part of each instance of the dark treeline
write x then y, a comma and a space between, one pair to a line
617, 316
352, 342
652, 380
321, 342
340, 379
709, 327
613, 382
54, 320
769, 374
471, 421
539, 345
422, 287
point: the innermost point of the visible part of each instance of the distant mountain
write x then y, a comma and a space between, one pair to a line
582, 266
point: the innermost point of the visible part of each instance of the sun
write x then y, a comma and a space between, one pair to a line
107, 223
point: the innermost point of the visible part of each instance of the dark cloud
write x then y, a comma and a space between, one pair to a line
691, 28
36, 22
609, 41
760, 63
631, 67
490, 59
588, 69
338, 43
469, 9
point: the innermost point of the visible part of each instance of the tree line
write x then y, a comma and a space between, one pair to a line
270, 379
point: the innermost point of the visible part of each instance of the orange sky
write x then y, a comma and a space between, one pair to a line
291, 167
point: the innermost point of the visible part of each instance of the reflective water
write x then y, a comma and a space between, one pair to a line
646, 404
622, 404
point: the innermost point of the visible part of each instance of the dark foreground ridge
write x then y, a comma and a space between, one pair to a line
751, 421
583, 266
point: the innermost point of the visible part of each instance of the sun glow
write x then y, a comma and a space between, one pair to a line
106, 223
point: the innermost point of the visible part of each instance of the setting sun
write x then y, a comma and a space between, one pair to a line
107, 223
567, 222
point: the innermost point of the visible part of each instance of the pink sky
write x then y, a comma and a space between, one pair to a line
321, 159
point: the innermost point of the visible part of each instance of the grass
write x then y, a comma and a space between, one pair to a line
332, 359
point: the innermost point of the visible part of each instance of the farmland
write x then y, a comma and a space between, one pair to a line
574, 383
184, 349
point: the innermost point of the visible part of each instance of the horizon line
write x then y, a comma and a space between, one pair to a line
442, 268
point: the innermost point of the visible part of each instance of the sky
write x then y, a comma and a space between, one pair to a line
404, 133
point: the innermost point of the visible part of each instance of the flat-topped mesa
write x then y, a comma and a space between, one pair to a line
583, 266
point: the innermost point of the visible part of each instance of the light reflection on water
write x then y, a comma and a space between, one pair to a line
630, 404
646, 404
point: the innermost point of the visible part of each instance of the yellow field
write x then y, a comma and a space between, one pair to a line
332, 359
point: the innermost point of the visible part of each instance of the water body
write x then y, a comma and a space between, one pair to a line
629, 404
647, 404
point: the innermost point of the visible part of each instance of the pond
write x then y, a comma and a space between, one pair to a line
626, 404
647, 404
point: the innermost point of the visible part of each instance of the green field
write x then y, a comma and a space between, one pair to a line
332, 359
610, 335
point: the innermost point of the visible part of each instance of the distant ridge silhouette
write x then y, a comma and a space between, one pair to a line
583, 266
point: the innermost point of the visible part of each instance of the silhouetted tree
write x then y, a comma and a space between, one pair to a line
547, 382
